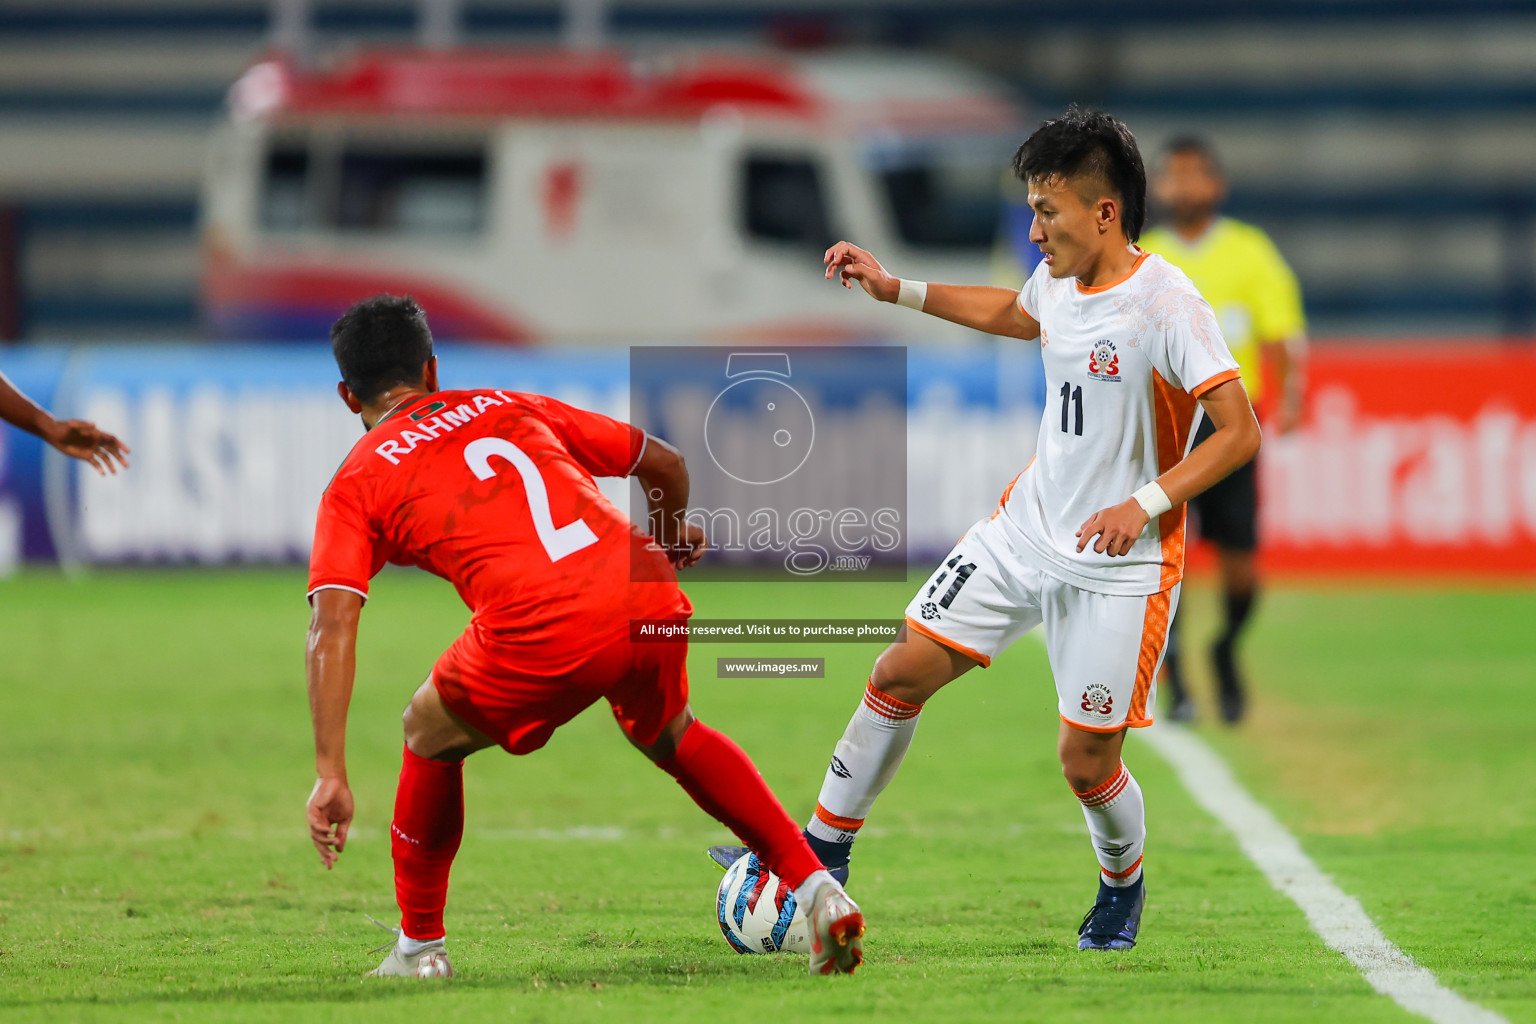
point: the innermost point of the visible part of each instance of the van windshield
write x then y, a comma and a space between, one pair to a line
380, 187
942, 192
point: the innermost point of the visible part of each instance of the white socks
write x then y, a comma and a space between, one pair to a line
871, 750
1117, 823
863, 764
411, 947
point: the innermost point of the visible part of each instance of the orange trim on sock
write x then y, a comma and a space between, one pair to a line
976, 656
1109, 797
1096, 790
1127, 873
846, 824
882, 703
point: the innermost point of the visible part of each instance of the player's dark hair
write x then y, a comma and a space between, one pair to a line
380, 343
1090, 144
1181, 144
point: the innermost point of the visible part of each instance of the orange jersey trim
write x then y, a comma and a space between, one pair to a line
1216, 381
846, 824
1154, 635
1009, 489
1173, 414
975, 656
1096, 288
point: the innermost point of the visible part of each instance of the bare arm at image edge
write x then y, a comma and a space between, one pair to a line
76, 438
330, 665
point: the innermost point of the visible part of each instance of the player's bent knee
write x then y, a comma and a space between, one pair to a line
434, 733
914, 668
1086, 772
420, 738
666, 742
1084, 778
1088, 759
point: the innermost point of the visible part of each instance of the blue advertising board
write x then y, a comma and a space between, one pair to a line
233, 444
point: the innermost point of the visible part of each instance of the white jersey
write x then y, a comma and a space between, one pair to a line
1124, 364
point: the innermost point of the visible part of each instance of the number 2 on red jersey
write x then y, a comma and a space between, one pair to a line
558, 541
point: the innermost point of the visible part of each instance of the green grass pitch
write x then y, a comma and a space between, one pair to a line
154, 863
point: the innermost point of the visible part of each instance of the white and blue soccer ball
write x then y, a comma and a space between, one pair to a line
758, 912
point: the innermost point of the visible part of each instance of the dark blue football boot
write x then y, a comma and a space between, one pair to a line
1115, 918
727, 855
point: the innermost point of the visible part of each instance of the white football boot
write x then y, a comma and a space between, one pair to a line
837, 931
430, 960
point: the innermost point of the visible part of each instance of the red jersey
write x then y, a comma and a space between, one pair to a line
494, 492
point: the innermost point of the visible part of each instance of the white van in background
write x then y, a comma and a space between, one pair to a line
546, 196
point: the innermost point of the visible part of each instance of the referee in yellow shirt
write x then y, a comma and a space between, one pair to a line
1256, 299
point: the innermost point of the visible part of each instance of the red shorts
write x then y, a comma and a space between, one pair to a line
647, 685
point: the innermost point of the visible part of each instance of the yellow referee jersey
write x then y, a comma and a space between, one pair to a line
1246, 281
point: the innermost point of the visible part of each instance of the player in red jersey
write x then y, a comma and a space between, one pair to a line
493, 491
75, 438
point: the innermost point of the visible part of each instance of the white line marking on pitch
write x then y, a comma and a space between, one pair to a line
1335, 915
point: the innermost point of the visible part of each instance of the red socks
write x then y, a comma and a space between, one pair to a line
429, 820
425, 835
722, 779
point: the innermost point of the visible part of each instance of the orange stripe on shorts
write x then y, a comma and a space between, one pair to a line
1154, 635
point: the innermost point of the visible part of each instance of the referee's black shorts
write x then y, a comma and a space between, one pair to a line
1228, 513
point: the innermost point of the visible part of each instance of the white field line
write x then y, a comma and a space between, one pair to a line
1336, 916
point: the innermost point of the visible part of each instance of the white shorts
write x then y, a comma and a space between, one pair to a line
1104, 649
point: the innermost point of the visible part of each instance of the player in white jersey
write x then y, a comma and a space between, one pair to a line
1088, 541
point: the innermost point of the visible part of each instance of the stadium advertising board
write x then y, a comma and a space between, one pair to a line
233, 445
1411, 458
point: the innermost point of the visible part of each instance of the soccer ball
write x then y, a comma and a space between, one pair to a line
434, 965
758, 912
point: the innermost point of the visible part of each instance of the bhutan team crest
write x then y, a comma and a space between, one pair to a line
1097, 700
1103, 361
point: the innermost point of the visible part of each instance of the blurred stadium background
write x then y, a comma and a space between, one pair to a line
554, 178
190, 190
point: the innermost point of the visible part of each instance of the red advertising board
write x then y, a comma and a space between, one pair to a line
1412, 458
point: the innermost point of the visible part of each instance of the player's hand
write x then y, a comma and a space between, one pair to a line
851, 264
689, 548
89, 443
1117, 528
330, 816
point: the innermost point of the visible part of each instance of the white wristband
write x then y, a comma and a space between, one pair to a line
913, 294
1154, 499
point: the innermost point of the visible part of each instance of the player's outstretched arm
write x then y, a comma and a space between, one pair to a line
980, 307
1233, 445
330, 663
664, 477
76, 438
